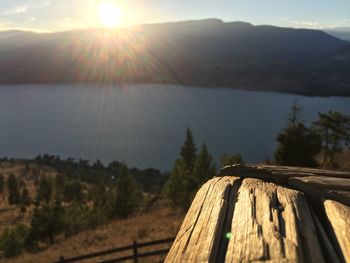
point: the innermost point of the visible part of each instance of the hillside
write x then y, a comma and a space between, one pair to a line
339, 32
159, 219
206, 52
10, 214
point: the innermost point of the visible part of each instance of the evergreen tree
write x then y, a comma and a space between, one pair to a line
13, 190
189, 151
103, 205
297, 144
12, 241
73, 191
204, 169
44, 192
2, 186
75, 218
47, 221
128, 195
334, 128
295, 115
182, 185
189, 173
25, 197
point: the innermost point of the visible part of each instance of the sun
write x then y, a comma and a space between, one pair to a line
110, 14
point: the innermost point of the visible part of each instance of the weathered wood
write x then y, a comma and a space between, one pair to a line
277, 174
324, 239
315, 182
261, 213
272, 223
338, 216
326, 187
197, 240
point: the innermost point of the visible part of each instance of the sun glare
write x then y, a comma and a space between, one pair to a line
110, 14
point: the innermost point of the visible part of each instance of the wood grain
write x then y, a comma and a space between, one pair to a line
323, 187
258, 213
339, 219
272, 223
198, 234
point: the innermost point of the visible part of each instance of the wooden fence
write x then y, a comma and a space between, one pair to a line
134, 256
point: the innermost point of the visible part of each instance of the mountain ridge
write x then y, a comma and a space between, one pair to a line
207, 52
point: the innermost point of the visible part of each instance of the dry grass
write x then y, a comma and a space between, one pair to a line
10, 214
342, 159
159, 221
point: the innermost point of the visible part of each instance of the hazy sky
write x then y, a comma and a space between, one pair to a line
56, 15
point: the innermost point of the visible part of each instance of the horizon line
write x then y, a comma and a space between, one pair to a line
43, 31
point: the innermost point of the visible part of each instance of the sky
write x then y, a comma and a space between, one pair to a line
61, 15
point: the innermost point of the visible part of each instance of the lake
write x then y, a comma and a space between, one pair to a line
144, 125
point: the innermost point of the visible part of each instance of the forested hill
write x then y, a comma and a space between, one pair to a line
206, 52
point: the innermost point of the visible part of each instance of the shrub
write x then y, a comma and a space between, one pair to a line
12, 241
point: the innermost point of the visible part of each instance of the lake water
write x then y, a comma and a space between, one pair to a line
144, 125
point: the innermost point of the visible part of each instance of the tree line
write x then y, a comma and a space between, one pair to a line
299, 143
84, 195
66, 206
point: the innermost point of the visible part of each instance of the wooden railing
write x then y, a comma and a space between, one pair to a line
134, 256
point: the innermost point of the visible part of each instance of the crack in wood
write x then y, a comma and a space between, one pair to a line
266, 217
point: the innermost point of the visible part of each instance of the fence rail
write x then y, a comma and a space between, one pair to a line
135, 253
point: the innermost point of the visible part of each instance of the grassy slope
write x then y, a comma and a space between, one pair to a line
10, 214
159, 221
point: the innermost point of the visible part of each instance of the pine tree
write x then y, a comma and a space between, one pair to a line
12, 241
189, 173
47, 221
44, 192
175, 188
295, 115
73, 191
181, 186
13, 190
334, 128
75, 218
128, 195
104, 206
297, 144
25, 197
189, 151
204, 169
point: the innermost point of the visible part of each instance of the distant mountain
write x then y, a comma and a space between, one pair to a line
339, 32
206, 52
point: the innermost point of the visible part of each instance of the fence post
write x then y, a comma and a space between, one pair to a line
135, 251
